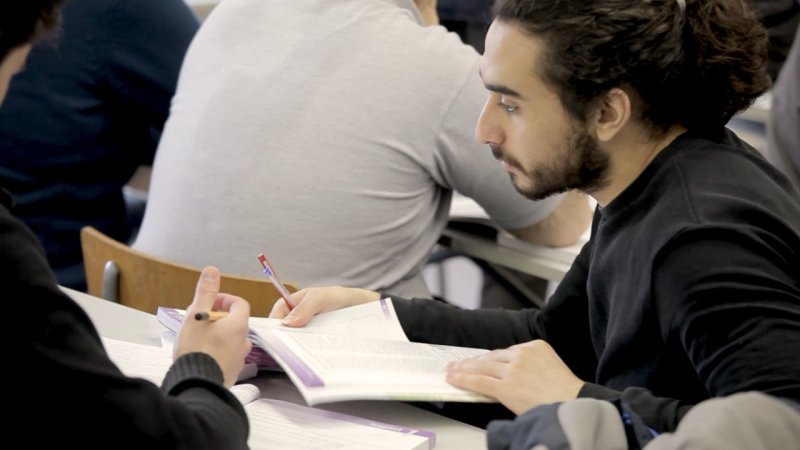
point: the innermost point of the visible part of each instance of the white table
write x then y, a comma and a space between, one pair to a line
124, 323
549, 263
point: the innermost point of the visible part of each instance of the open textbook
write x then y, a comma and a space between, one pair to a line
359, 353
276, 424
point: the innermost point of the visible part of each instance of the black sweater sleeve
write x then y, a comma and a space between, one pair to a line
563, 322
66, 391
731, 297
734, 308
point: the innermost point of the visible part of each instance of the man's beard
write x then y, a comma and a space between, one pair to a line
582, 165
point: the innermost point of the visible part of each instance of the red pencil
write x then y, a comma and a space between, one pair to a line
273, 278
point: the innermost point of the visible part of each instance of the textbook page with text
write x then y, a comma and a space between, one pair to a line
359, 353
277, 424
362, 353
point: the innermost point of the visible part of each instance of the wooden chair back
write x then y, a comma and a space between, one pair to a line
117, 272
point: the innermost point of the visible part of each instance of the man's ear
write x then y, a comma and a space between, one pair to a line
612, 114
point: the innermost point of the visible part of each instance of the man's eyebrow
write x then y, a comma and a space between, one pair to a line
505, 90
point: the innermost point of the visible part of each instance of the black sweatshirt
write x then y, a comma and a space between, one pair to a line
62, 389
86, 112
688, 289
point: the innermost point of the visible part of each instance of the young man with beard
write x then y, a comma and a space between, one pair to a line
690, 285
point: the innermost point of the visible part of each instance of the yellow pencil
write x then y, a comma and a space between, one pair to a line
212, 315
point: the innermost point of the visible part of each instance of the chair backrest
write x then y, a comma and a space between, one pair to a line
117, 272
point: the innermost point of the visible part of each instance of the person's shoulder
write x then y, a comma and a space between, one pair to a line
700, 153
439, 40
725, 175
716, 176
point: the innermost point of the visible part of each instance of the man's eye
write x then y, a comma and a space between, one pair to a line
508, 108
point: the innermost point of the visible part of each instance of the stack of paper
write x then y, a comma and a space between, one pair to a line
276, 424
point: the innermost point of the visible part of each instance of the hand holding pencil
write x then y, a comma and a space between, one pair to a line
304, 304
312, 301
211, 315
219, 329
273, 278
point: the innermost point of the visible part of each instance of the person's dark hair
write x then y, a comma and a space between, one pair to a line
21, 21
696, 67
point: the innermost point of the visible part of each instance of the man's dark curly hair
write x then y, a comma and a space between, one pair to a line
21, 21
696, 67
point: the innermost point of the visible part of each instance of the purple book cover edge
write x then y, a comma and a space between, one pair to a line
371, 423
303, 372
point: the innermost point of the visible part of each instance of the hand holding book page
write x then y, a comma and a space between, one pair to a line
276, 424
172, 319
362, 353
359, 353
